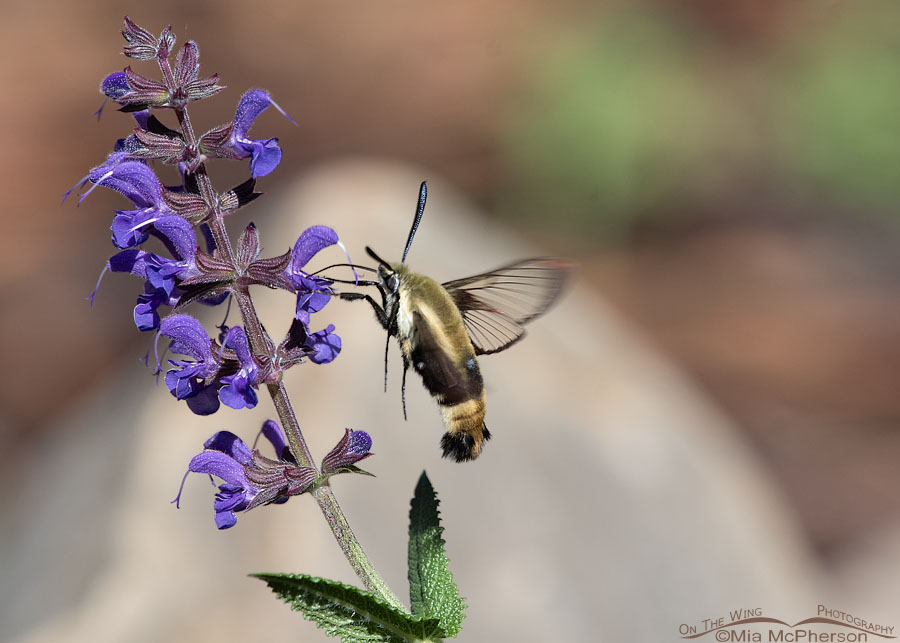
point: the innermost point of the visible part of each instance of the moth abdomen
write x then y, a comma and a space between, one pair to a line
466, 431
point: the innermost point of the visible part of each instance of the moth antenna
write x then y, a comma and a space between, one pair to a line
420, 210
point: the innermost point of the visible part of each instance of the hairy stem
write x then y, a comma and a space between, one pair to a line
350, 546
291, 426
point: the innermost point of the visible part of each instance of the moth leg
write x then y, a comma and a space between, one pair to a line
403, 386
387, 345
379, 311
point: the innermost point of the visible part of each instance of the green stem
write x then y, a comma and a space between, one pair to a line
350, 546
291, 426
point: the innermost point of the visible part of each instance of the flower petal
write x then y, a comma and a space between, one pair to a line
325, 344
205, 402
273, 434
231, 445
134, 179
188, 337
221, 465
252, 104
310, 242
115, 86
264, 156
225, 519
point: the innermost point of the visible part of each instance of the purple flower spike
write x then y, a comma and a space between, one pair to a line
352, 448
265, 155
238, 390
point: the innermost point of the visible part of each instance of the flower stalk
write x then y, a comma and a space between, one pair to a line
231, 369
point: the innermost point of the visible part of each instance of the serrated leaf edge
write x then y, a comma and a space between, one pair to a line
423, 623
420, 609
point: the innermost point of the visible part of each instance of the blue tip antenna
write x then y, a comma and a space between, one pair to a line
420, 210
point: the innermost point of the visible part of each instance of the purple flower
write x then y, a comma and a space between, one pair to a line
229, 374
250, 479
115, 87
312, 291
352, 448
226, 456
264, 154
135, 180
312, 294
191, 380
161, 276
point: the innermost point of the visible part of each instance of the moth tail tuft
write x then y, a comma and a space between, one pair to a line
462, 446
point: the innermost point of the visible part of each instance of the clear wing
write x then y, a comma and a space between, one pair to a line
496, 304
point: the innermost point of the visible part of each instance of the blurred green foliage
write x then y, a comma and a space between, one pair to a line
621, 122
838, 104
640, 112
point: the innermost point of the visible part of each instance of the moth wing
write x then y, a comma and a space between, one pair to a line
495, 305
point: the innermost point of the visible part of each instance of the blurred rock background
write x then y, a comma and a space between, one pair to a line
726, 175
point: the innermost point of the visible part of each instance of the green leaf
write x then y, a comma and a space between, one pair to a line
355, 615
432, 592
